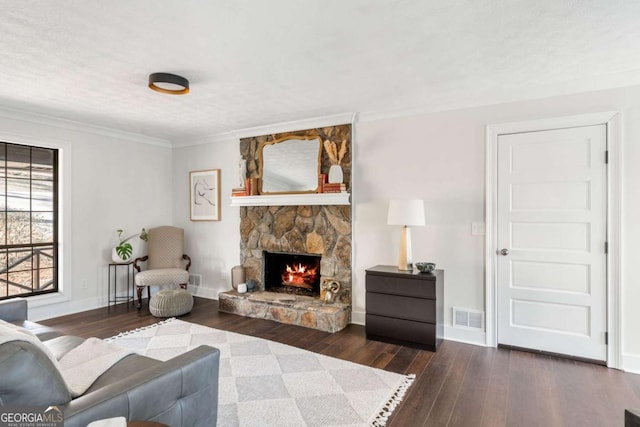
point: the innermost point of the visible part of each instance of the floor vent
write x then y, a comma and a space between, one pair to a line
195, 279
464, 318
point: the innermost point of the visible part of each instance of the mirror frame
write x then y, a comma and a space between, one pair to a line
284, 139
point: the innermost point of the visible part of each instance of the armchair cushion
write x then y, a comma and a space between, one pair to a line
162, 277
166, 247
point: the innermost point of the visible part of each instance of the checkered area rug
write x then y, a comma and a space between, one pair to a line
264, 383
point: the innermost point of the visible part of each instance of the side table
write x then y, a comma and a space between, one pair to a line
113, 267
405, 307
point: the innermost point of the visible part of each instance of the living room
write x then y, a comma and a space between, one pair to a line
418, 137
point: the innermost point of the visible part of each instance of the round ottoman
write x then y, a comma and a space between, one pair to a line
171, 302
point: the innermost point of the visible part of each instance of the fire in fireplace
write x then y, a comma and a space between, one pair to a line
292, 273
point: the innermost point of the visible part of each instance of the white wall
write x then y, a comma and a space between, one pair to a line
440, 158
109, 180
214, 246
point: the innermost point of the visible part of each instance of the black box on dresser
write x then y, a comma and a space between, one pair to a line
405, 307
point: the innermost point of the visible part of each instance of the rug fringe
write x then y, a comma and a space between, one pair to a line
397, 396
144, 328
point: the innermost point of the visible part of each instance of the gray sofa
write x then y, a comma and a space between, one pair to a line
182, 391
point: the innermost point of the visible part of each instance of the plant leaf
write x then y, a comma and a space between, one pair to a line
124, 250
343, 151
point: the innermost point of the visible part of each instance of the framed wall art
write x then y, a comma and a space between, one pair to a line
205, 195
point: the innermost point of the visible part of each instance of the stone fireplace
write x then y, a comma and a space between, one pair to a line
324, 231
321, 232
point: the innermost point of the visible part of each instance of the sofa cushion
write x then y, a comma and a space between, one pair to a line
10, 332
81, 361
84, 364
29, 376
43, 333
128, 366
60, 346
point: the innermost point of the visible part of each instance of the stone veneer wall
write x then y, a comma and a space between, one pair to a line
324, 230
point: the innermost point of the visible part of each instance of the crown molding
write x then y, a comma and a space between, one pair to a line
210, 139
296, 125
73, 125
292, 126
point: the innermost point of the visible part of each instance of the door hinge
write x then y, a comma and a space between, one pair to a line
606, 338
606, 247
606, 156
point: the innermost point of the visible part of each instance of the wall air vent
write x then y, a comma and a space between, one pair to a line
465, 318
195, 279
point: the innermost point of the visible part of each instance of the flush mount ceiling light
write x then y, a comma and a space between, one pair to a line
168, 83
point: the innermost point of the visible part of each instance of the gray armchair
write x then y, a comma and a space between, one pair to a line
167, 264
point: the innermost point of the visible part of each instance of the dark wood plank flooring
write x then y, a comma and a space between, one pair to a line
460, 385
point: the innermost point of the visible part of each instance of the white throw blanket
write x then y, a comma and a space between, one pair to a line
80, 367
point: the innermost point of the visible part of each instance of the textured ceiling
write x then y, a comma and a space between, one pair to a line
253, 63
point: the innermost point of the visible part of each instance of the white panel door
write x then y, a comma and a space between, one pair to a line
551, 267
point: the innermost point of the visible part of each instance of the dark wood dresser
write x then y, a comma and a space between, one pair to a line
405, 307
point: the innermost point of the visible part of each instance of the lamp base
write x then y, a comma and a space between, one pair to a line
404, 260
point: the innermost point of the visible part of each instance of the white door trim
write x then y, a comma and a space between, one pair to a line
614, 222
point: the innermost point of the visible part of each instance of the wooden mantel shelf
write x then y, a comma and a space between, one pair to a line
292, 199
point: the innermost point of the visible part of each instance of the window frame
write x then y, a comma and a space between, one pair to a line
54, 288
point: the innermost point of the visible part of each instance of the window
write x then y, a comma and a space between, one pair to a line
28, 220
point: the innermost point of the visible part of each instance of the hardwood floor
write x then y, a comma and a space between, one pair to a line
460, 385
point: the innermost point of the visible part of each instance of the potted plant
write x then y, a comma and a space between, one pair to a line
123, 251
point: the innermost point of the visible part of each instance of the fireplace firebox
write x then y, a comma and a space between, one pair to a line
292, 273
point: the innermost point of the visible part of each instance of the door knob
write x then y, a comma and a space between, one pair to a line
504, 252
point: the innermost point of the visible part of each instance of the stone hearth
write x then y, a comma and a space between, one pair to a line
290, 309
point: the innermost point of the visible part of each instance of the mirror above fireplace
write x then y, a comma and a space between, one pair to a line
290, 165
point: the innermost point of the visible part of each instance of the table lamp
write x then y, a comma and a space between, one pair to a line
407, 213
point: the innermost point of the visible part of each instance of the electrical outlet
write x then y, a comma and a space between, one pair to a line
84, 284
477, 228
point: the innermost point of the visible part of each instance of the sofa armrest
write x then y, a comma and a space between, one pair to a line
13, 309
182, 391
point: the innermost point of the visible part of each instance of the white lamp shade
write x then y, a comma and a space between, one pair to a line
406, 212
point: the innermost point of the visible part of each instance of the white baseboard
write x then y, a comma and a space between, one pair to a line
42, 312
201, 291
631, 363
55, 307
358, 317
467, 336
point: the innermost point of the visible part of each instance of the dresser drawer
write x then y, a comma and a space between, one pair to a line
409, 308
401, 286
400, 330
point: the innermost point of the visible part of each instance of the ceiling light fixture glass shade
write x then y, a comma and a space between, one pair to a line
168, 83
